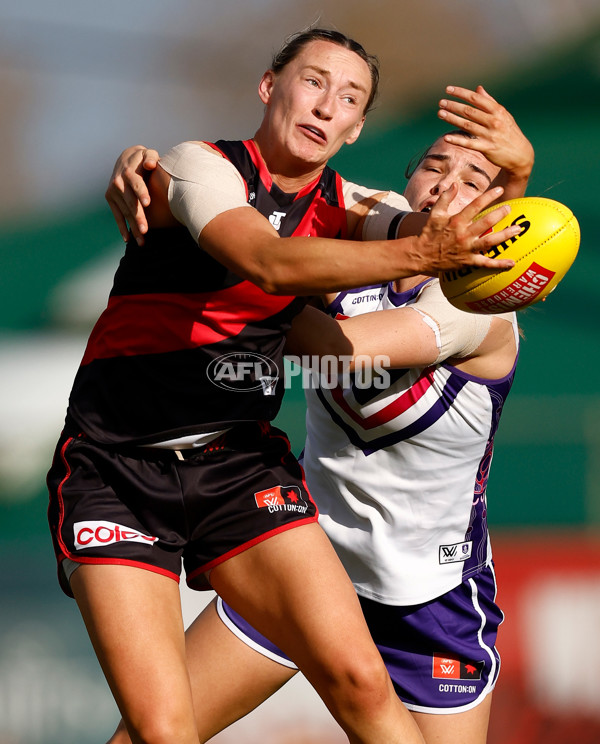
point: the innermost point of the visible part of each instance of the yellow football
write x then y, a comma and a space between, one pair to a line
543, 253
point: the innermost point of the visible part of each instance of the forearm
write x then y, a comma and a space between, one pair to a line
388, 338
309, 265
315, 334
316, 266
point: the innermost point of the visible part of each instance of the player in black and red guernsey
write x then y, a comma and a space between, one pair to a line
167, 453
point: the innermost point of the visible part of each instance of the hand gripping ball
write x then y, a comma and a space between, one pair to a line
543, 253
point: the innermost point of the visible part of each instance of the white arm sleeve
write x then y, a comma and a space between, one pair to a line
383, 218
203, 184
457, 333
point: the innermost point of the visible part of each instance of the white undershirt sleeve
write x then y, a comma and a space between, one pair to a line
203, 185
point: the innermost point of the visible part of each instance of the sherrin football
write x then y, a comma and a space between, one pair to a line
543, 253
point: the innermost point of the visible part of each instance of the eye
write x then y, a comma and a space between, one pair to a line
474, 185
349, 99
313, 81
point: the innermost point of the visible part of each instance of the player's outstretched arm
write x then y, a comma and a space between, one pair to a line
391, 338
244, 241
497, 135
127, 193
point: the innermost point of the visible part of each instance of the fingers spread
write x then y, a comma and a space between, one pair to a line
496, 264
482, 202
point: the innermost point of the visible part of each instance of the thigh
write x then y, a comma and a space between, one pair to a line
229, 679
134, 621
293, 589
469, 727
250, 636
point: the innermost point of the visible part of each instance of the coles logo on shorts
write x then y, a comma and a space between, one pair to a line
445, 667
281, 498
96, 532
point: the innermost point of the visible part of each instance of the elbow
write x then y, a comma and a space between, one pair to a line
273, 281
270, 286
267, 284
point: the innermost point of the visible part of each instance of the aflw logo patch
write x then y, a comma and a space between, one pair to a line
281, 498
456, 553
97, 532
445, 667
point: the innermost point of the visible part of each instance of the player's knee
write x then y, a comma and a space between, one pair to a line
364, 684
164, 729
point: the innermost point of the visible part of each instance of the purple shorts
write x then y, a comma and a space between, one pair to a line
147, 508
441, 655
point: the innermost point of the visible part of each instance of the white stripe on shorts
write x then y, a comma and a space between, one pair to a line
248, 641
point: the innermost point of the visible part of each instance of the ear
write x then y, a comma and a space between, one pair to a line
265, 87
357, 130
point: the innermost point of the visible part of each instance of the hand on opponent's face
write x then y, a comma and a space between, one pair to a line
450, 241
495, 131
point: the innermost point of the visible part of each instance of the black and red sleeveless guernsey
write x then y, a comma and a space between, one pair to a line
185, 346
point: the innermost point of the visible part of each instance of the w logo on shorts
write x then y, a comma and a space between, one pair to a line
280, 498
445, 667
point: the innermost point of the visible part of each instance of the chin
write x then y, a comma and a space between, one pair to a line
311, 155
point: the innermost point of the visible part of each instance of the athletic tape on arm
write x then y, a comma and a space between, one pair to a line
457, 333
203, 185
383, 218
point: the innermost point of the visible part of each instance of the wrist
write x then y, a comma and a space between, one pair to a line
409, 257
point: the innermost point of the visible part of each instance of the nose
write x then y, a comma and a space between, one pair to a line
443, 184
321, 112
324, 107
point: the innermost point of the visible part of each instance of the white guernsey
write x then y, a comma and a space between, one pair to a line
399, 474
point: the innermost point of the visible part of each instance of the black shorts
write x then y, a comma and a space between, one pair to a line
146, 508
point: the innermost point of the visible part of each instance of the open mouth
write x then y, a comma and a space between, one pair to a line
314, 131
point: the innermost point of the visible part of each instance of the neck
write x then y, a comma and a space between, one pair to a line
288, 173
